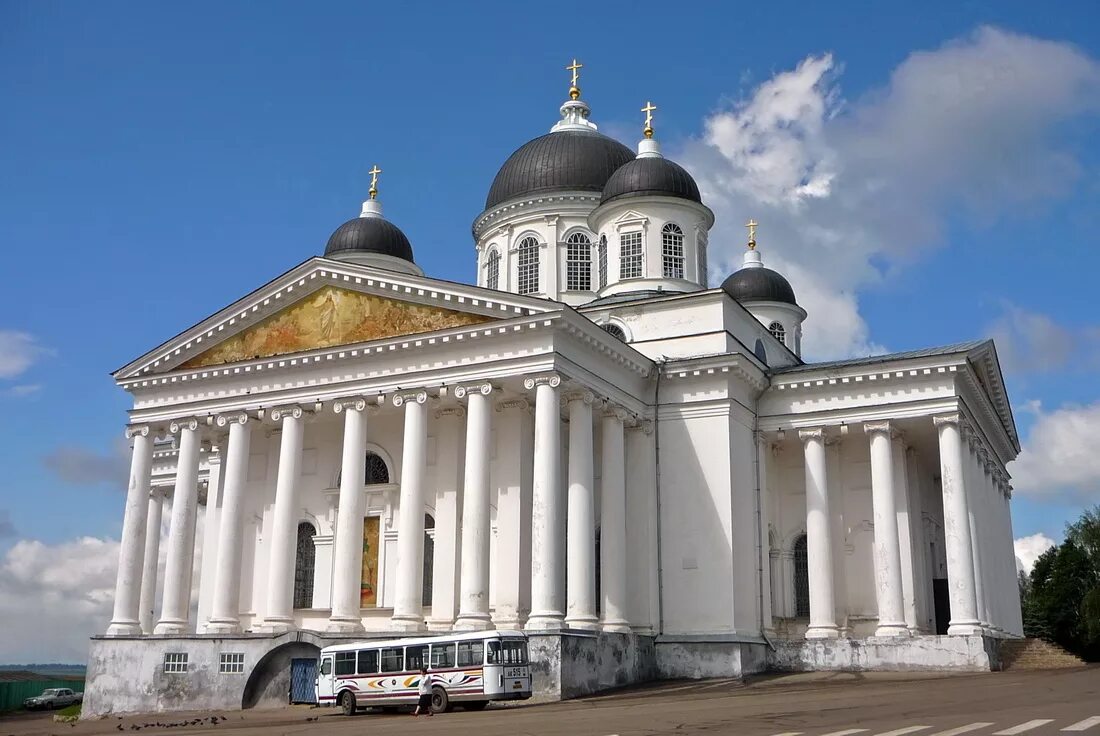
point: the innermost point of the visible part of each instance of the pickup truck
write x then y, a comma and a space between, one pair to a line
54, 697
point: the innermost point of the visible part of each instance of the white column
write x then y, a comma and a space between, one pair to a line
152, 561
838, 529
347, 558
176, 602
447, 553
408, 605
473, 609
613, 522
125, 621
921, 575
974, 501
225, 609
991, 520
818, 537
283, 542
512, 474
547, 530
903, 496
888, 592
580, 582
765, 561
956, 528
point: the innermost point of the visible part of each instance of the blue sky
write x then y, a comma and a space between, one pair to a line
160, 160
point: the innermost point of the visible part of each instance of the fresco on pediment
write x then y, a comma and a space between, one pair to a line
328, 317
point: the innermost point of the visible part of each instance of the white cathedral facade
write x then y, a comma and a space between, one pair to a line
591, 444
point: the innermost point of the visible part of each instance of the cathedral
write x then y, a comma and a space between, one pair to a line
592, 444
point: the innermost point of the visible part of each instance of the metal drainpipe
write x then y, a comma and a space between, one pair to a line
657, 490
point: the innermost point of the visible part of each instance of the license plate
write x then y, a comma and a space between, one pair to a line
515, 672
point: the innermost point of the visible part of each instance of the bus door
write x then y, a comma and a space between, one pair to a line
507, 673
325, 681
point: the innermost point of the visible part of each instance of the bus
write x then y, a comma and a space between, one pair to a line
469, 668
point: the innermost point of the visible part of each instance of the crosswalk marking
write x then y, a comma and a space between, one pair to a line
1027, 726
963, 729
789, 733
1083, 725
846, 732
903, 731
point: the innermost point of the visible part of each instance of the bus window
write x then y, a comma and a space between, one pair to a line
368, 661
393, 659
508, 651
326, 666
470, 653
443, 656
345, 663
416, 657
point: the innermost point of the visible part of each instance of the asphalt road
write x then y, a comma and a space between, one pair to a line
1062, 703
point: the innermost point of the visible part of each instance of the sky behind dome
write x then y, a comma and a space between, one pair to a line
924, 174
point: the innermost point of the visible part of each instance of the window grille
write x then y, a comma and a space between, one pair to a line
630, 256
175, 663
672, 251
304, 561
603, 261
527, 277
377, 472
613, 329
492, 270
232, 663
801, 579
578, 263
702, 238
778, 332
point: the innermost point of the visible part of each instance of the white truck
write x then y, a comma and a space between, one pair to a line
54, 697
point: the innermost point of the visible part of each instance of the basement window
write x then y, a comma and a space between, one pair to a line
232, 663
175, 663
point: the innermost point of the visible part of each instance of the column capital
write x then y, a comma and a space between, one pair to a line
645, 425
236, 417
617, 411
133, 430
579, 395
178, 425
549, 379
450, 411
941, 420
881, 428
506, 404
482, 387
417, 396
278, 413
812, 433
358, 403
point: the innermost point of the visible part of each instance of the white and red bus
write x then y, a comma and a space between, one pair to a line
470, 668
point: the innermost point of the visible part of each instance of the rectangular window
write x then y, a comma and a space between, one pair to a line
602, 256
443, 656
672, 253
368, 661
345, 663
630, 256
492, 270
416, 657
578, 263
393, 659
175, 663
527, 265
508, 651
471, 654
232, 663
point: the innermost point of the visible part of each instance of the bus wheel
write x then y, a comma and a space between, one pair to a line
475, 705
440, 701
347, 702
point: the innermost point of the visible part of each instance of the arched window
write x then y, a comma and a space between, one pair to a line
578, 263
778, 332
304, 560
672, 251
602, 257
630, 256
613, 329
429, 558
492, 269
801, 579
527, 278
377, 472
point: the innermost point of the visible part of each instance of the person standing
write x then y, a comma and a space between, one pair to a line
424, 704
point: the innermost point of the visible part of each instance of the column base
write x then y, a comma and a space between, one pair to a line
964, 628
510, 623
582, 623
545, 622
344, 626
407, 624
616, 627
473, 622
223, 626
276, 625
170, 627
892, 630
824, 631
440, 624
124, 628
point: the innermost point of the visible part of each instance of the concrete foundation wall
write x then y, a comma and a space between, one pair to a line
697, 658
942, 653
571, 665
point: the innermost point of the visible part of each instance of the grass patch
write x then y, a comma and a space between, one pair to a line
70, 711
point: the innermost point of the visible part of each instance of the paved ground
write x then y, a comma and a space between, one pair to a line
1056, 703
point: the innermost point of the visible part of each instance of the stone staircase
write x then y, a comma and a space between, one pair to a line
1035, 654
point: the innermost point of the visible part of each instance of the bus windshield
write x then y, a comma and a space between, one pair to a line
507, 651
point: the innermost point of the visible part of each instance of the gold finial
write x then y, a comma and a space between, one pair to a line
648, 110
751, 225
374, 172
574, 90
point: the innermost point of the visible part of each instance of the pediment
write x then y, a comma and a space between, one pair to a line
323, 303
630, 216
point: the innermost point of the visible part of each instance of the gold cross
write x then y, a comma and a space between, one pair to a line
374, 172
573, 68
648, 110
751, 225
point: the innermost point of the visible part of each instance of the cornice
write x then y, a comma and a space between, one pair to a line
507, 212
732, 363
860, 377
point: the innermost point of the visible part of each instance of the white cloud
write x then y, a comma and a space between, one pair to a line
850, 190
1059, 454
1028, 550
22, 390
18, 352
1032, 342
84, 467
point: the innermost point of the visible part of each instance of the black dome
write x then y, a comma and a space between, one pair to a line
651, 175
565, 160
758, 284
371, 235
